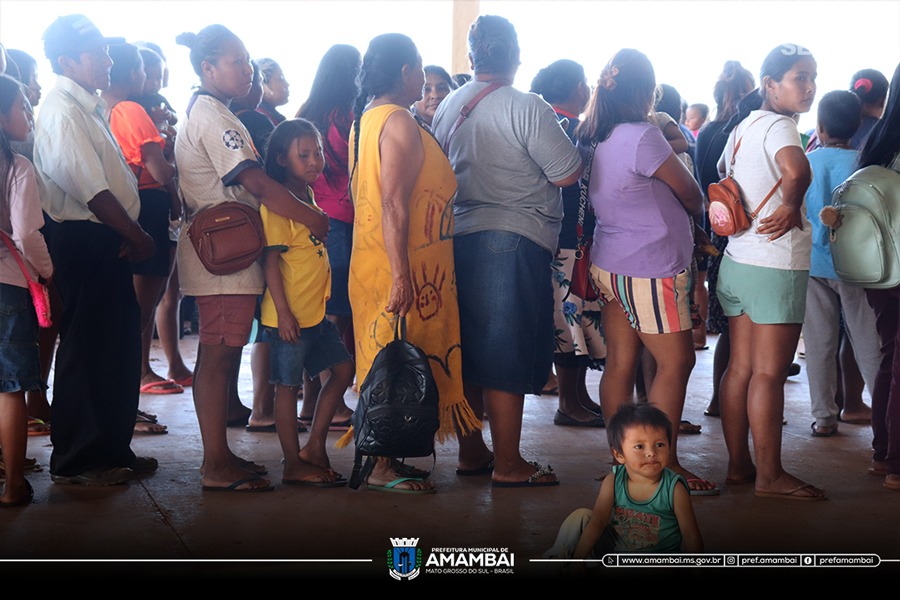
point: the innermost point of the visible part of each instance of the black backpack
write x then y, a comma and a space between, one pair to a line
397, 415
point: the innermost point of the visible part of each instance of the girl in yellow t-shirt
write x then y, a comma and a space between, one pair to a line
298, 279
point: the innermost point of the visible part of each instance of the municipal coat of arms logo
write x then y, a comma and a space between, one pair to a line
404, 559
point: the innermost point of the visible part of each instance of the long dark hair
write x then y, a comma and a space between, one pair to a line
334, 90
9, 92
624, 94
883, 142
280, 144
381, 72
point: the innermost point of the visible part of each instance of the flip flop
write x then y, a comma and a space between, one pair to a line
792, 494
564, 420
301, 428
38, 427
392, 487
485, 470
144, 417
186, 382
338, 481
334, 426
531, 481
711, 492
235, 487
826, 430
164, 387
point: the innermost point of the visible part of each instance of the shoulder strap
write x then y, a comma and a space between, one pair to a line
755, 212
737, 146
15, 253
582, 198
467, 109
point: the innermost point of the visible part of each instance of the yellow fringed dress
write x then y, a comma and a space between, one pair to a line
433, 321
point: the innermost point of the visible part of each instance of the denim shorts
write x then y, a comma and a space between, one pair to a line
20, 366
505, 311
339, 244
319, 348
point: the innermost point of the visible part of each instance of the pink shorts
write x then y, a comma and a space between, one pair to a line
226, 319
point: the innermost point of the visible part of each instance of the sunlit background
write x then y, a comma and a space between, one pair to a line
687, 41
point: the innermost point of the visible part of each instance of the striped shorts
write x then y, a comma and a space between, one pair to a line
651, 305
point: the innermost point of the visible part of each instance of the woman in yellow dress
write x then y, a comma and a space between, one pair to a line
402, 262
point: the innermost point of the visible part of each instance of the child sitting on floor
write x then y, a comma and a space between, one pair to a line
642, 506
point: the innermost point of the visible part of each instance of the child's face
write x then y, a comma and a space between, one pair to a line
305, 160
18, 122
692, 119
645, 452
154, 79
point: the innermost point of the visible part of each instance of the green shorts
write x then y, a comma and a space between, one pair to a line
767, 296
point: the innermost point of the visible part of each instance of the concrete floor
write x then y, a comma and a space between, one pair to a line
166, 517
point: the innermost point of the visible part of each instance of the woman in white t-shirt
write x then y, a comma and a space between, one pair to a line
762, 281
218, 163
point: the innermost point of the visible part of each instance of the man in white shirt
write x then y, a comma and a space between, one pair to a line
91, 194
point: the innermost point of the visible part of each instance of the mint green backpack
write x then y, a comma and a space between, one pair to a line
865, 240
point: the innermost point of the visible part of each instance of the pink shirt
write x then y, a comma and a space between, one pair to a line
331, 190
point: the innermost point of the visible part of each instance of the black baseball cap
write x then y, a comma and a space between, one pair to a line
74, 33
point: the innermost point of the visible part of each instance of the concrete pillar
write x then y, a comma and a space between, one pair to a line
464, 13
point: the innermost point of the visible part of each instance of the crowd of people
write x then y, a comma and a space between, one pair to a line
467, 208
